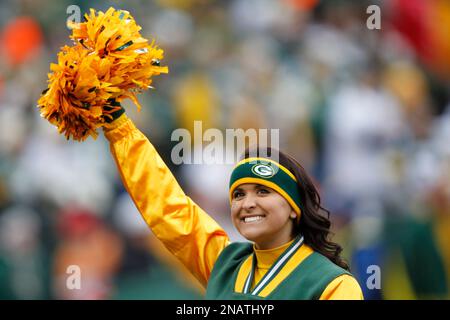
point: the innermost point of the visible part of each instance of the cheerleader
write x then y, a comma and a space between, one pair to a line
274, 205
273, 202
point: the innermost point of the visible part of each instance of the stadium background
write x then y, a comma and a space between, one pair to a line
367, 112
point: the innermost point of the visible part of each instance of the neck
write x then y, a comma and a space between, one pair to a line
266, 245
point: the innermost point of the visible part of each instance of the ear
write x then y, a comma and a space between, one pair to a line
293, 215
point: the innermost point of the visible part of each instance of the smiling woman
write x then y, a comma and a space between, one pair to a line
262, 215
274, 205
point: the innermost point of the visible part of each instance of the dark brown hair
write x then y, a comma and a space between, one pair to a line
315, 220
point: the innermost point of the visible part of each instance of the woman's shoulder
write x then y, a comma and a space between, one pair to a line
323, 266
344, 287
232, 256
341, 283
238, 248
322, 258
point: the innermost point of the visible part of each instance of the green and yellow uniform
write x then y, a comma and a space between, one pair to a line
199, 242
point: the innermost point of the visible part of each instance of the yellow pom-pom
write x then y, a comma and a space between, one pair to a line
109, 61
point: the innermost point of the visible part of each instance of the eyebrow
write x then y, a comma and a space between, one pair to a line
257, 186
261, 186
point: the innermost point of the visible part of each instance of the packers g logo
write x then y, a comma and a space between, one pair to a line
263, 170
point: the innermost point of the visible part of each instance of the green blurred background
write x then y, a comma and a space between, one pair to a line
367, 112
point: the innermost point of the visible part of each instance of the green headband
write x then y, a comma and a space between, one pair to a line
270, 174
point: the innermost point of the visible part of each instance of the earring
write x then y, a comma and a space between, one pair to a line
293, 215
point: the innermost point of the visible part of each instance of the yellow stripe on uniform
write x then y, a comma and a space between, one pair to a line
243, 272
302, 253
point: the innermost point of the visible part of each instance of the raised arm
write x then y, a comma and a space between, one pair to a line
184, 228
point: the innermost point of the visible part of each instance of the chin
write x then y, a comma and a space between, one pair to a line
252, 234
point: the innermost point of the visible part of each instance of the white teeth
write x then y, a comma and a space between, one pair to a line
252, 219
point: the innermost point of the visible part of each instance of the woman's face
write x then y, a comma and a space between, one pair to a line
262, 215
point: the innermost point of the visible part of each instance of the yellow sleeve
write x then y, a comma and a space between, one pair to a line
344, 287
184, 228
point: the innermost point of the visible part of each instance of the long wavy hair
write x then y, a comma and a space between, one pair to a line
315, 221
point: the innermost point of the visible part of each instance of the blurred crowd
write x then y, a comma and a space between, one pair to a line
366, 112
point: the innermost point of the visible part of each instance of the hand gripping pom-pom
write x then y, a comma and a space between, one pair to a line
110, 61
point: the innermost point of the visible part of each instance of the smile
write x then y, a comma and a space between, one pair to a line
253, 219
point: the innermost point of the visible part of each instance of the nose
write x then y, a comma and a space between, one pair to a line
249, 202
